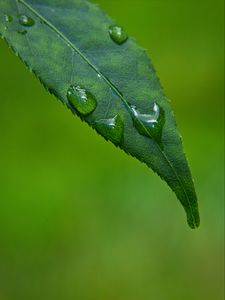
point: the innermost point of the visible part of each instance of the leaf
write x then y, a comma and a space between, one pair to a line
104, 77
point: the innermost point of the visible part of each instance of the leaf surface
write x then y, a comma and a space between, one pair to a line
104, 77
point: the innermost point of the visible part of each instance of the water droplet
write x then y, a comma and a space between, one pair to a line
150, 125
22, 31
112, 129
81, 99
117, 34
25, 20
8, 18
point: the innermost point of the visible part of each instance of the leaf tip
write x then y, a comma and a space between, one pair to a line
193, 219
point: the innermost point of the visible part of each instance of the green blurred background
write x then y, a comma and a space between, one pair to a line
79, 219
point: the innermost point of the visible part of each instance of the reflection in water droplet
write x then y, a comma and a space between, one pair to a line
117, 34
148, 118
112, 129
25, 20
150, 125
81, 99
8, 18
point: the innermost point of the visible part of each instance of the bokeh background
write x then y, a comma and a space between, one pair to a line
81, 220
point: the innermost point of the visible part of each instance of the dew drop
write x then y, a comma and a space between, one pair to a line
22, 31
25, 20
8, 18
117, 34
150, 125
112, 129
81, 99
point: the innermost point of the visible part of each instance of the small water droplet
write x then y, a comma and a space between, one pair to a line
22, 31
81, 99
150, 125
112, 129
117, 34
25, 20
8, 18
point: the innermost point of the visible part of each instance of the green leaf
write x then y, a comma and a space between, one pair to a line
104, 77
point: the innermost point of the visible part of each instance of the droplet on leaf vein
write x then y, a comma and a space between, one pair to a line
150, 124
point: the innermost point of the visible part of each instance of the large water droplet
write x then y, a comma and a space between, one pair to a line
8, 18
81, 99
112, 129
151, 124
25, 20
117, 34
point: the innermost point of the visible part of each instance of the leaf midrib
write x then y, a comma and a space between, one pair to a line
113, 87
